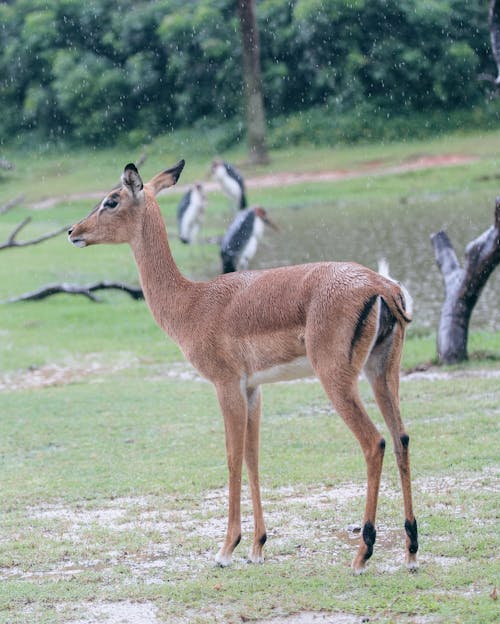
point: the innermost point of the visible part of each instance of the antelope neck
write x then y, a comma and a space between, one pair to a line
166, 290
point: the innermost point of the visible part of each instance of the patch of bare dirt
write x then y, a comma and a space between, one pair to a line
302, 523
69, 371
182, 538
125, 612
371, 168
92, 366
309, 617
436, 374
95, 366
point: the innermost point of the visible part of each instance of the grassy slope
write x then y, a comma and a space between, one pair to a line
128, 437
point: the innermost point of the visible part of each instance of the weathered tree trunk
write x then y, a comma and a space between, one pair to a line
463, 286
256, 122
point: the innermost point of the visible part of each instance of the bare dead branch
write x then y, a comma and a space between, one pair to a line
11, 204
74, 289
487, 78
141, 160
12, 242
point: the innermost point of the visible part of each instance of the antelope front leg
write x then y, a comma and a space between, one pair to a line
233, 403
252, 462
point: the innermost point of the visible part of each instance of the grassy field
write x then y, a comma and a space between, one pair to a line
113, 474
43, 173
105, 504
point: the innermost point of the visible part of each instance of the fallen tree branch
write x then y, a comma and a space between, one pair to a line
463, 286
12, 242
74, 289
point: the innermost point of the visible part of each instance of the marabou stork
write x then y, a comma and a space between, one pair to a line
231, 181
240, 242
190, 213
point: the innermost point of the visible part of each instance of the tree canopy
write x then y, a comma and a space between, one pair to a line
90, 71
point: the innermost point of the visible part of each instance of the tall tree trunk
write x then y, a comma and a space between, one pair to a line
256, 122
463, 286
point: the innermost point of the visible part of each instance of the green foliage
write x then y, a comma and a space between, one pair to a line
95, 71
367, 122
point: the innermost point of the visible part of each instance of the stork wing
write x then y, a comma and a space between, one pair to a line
183, 205
238, 233
234, 173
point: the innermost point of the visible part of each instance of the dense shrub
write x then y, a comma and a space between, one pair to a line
98, 70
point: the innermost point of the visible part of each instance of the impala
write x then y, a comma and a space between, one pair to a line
240, 330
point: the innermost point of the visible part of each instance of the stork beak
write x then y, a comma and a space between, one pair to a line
270, 223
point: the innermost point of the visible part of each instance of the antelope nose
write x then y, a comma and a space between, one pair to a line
70, 231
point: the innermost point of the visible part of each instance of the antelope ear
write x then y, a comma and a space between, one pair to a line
132, 180
166, 178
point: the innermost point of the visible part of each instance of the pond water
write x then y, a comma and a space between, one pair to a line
398, 230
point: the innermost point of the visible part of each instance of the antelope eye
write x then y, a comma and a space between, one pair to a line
110, 203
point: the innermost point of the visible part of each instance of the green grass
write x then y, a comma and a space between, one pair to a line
113, 474
104, 500
49, 172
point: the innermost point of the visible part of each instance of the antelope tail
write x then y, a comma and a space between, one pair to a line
402, 302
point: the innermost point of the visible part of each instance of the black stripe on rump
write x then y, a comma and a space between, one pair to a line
402, 307
386, 322
360, 325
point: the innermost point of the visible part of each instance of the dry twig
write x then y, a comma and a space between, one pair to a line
11, 204
12, 242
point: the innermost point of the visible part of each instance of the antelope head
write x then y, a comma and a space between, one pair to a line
117, 218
